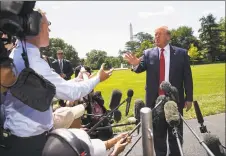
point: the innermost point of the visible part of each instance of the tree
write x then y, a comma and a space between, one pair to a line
210, 35
182, 37
132, 46
221, 27
193, 53
69, 51
95, 58
146, 44
141, 36
112, 62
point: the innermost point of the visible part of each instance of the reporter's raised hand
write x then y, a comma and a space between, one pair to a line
104, 75
132, 59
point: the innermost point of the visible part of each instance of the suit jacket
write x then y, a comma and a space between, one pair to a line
180, 74
67, 68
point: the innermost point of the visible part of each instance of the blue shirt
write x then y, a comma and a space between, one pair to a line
22, 120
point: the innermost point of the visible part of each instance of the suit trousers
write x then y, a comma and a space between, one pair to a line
160, 130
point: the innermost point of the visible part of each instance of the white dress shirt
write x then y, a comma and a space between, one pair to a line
167, 60
22, 120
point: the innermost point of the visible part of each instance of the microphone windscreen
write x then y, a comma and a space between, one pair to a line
165, 86
137, 107
130, 93
171, 113
131, 120
161, 97
115, 99
175, 93
214, 144
198, 112
117, 115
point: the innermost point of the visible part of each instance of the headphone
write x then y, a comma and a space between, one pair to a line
20, 26
78, 146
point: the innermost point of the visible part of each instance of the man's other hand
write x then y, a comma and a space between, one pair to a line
104, 75
132, 59
188, 105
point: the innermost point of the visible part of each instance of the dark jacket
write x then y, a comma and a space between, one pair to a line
67, 68
180, 74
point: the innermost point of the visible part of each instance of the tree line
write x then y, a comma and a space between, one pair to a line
208, 47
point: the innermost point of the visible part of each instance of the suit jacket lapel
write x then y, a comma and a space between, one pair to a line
172, 63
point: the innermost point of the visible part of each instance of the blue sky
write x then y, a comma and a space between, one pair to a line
104, 25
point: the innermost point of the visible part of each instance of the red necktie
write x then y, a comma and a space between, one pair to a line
162, 70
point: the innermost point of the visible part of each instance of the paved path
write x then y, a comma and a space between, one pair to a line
215, 124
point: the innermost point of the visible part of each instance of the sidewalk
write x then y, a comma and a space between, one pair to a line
215, 124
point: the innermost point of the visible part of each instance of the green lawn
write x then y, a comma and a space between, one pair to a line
209, 88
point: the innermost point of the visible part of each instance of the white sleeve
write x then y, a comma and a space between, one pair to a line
66, 90
99, 147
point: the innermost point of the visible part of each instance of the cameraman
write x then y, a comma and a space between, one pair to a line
27, 126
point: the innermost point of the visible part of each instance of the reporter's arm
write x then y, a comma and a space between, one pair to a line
111, 142
67, 90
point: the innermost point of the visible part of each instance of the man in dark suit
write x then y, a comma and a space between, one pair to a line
165, 63
63, 68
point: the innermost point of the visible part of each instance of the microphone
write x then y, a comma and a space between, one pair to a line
158, 110
128, 100
199, 116
112, 104
162, 99
170, 91
147, 131
214, 144
165, 87
173, 119
175, 94
115, 99
139, 104
171, 113
117, 116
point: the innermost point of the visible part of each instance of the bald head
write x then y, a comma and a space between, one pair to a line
162, 36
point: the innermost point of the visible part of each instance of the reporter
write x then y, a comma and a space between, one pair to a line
76, 142
29, 127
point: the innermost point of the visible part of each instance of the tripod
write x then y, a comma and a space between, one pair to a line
175, 133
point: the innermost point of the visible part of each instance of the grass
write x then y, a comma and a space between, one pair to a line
209, 89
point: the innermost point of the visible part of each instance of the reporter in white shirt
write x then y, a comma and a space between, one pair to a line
25, 122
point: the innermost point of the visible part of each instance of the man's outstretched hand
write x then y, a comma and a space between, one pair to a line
103, 75
132, 59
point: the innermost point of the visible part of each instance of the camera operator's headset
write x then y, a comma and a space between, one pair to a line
79, 148
21, 25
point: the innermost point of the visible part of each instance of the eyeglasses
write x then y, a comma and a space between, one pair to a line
49, 23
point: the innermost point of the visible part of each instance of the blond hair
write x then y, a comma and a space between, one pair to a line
164, 28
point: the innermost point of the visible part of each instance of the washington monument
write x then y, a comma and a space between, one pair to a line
131, 31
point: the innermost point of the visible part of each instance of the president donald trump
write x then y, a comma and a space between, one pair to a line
165, 62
